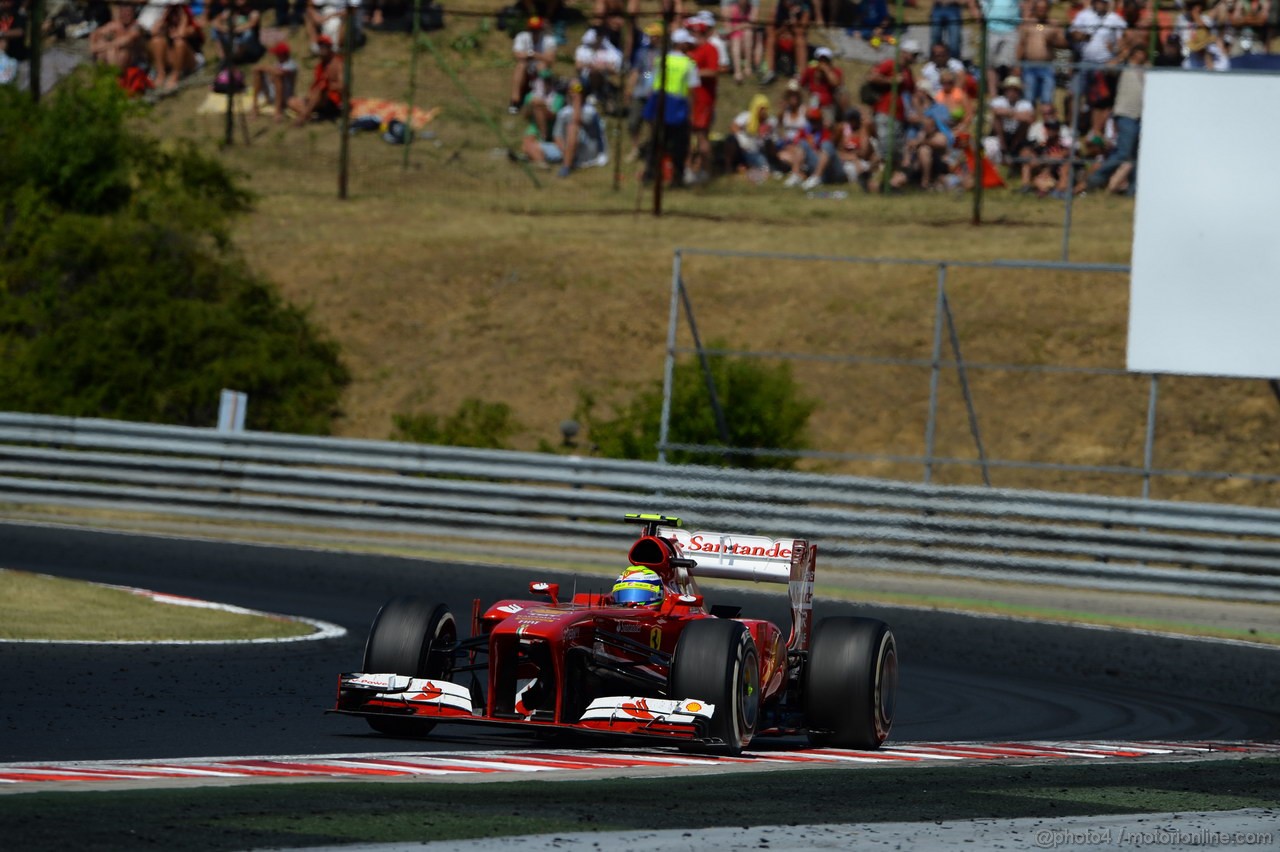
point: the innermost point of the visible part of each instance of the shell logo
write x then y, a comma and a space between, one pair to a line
693, 707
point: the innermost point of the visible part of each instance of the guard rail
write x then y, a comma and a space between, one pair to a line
511, 499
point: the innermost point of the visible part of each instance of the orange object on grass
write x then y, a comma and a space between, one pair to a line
990, 177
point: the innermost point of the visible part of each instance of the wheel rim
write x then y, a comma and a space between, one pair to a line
436, 663
748, 698
886, 693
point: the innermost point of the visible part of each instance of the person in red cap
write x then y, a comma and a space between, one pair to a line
323, 101
275, 79
534, 51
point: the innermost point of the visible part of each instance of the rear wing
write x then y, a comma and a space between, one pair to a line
734, 556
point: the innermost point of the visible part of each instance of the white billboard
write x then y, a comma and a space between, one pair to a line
1205, 288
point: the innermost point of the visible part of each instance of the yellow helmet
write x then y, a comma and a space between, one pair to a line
638, 586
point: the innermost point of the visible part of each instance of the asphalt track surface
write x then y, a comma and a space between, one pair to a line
963, 678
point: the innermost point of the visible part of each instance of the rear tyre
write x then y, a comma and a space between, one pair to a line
406, 638
851, 683
716, 661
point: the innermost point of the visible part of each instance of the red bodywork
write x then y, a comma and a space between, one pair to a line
588, 665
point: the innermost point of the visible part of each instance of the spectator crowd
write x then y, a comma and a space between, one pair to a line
158, 46
1059, 110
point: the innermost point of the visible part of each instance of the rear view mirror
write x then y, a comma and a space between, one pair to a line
551, 590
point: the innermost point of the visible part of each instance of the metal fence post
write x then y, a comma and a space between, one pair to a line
930, 428
1148, 449
669, 365
36, 39
409, 131
722, 426
344, 122
895, 106
228, 67
1071, 161
979, 153
964, 388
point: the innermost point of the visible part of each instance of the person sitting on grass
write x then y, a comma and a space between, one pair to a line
534, 52
275, 79
323, 101
543, 103
236, 31
577, 139
924, 158
175, 48
1044, 159
748, 147
120, 41
802, 155
1012, 114
856, 148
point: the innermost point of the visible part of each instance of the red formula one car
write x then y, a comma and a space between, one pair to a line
673, 670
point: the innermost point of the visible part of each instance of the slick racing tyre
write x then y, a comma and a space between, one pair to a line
850, 683
406, 639
716, 661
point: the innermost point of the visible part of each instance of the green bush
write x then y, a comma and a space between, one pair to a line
762, 404
476, 423
120, 294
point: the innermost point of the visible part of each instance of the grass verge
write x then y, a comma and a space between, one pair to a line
292, 815
35, 606
985, 606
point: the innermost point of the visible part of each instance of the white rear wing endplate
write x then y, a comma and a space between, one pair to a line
735, 556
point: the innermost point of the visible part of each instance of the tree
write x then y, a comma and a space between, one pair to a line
476, 423
120, 293
762, 404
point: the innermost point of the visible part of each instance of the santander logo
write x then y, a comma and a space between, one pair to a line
754, 546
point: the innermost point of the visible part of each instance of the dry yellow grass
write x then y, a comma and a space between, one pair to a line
459, 278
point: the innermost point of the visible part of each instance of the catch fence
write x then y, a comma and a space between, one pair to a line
964, 387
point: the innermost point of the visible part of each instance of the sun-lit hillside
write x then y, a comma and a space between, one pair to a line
464, 275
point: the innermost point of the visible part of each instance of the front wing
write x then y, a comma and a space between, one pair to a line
403, 697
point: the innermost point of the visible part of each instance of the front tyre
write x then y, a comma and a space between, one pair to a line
716, 661
410, 636
851, 683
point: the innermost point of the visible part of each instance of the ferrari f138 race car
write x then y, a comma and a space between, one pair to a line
670, 668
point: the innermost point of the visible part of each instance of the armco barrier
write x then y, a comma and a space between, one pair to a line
495, 497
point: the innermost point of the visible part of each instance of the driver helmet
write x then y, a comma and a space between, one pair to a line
637, 586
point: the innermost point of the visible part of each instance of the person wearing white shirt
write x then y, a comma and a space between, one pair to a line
596, 54
1207, 50
940, 59
597, 63
1097, 30
534, 51
326, 17
1013, 114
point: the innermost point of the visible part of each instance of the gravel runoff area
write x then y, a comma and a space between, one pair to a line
1250, 830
